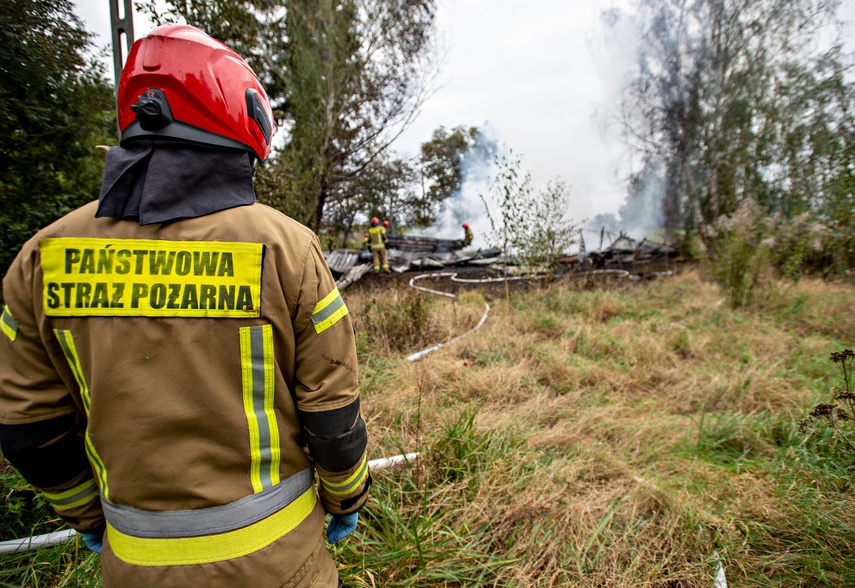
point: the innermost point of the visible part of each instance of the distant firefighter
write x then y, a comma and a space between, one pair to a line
377, 238
330, 239
385, 224
468, 236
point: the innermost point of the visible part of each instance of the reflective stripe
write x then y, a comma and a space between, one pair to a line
77, 496
142, 551
8, 324
376, 235
98, 464
328, 311
256, 354
66, 341
207, 521
351, 483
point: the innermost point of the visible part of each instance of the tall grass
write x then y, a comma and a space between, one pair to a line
638, 435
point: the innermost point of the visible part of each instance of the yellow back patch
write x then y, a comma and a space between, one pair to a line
144, 277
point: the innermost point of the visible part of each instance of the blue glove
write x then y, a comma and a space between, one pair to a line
341, 526
93, 540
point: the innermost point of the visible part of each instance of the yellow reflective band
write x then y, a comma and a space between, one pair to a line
328, 311
351, 483
77, 496
183, 551
8, 324
66, 341
98, 464
147, 277
257, 378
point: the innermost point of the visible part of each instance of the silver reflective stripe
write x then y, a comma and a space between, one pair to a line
259, 396
208, 521
327, 312
84, 491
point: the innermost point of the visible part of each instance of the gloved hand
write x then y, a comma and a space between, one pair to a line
93, 540
341, 526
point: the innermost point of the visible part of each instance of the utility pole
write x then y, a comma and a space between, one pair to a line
123, 26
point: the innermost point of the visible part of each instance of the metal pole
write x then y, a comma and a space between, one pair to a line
122, 26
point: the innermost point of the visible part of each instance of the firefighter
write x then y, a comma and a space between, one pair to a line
366, 241
177, 367
330, 237
468, 236
377, 238
385, 225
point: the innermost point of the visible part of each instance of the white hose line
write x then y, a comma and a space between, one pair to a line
420, 354
51, 539
385, 462
32, 543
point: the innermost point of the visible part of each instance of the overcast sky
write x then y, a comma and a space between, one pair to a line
537, 72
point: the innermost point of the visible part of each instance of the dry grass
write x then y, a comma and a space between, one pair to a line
625, 436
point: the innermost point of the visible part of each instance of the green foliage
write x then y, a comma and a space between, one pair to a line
24, 509
735, 100
55, 107
534, 227
443, 164
740, 262
839, 415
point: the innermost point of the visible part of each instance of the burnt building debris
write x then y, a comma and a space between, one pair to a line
408, 253
626, 253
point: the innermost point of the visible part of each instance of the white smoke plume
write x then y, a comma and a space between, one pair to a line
466, 206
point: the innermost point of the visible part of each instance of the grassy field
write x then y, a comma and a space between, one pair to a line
609, 434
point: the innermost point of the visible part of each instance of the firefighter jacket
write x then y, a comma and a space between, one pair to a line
468, 236
192, 385
377, 237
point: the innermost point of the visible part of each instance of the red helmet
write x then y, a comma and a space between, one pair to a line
465, 225
179, 83
329, 229
375, 221
386, 224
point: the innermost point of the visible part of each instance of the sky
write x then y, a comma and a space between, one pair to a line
537, 74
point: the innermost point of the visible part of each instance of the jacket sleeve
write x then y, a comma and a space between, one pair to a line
42, 431
327, 390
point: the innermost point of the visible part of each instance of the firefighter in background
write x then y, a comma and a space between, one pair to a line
330, 237
176, 363
366, 241
468, 236
385, 225
377, 238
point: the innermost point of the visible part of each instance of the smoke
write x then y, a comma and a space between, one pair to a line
642, 215
466, 206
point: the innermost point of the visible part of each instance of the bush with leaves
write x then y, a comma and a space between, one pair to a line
531, 226
839, 414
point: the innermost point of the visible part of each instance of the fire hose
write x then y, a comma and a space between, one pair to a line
59, 537
453, 275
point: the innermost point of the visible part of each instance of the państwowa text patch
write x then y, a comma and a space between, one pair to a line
141, 277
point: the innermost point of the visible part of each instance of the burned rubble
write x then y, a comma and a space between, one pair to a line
425, 254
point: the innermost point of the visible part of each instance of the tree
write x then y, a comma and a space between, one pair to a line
442, 161
385, 189
55, 107
734, 101
358, 73
346, 77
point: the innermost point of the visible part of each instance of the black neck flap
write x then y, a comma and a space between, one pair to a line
157, 181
